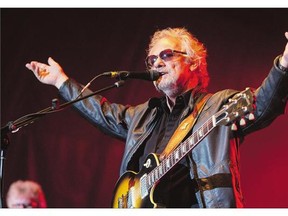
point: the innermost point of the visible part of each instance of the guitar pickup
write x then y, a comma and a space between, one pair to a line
143, 186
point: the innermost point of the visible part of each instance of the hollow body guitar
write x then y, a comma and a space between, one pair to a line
136, 190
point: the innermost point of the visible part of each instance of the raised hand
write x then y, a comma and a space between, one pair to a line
51, 73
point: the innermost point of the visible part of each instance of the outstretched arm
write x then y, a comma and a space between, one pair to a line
272, 95
51, 73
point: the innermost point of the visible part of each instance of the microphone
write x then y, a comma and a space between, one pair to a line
149, 75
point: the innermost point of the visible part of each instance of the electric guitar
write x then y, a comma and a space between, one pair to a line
135, 190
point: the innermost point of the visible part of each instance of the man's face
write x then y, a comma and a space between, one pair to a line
177, 68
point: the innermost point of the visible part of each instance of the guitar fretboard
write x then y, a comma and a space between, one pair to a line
180, 152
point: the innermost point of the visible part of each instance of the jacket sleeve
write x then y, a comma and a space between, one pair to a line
271, 99
110, 118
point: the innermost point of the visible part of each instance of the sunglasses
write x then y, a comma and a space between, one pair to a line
165, 55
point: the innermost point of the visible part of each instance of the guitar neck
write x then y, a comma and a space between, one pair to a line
180, 151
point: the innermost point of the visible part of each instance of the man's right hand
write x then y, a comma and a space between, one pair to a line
51, 74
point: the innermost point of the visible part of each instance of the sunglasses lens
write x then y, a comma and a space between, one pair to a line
150, 60
166, 54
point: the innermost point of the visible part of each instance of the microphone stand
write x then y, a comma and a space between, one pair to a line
14, 126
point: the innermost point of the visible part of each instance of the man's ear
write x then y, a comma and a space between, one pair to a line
194, 65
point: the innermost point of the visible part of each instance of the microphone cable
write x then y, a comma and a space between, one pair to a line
89, 83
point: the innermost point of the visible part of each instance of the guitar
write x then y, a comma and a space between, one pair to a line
135, 190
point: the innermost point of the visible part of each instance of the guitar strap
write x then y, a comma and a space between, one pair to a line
184, 127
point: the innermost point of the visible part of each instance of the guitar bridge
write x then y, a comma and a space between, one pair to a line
122, 201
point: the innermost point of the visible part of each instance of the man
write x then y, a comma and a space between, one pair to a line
25, 194
209, 175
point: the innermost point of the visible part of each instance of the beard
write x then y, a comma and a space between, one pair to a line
168, 85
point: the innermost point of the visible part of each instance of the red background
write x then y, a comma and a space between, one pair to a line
75, 163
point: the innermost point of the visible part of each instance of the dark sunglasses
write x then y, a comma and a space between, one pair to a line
165, 55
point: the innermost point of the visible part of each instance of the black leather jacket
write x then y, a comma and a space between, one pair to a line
216, 155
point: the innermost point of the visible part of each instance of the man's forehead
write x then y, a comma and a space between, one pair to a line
165, 43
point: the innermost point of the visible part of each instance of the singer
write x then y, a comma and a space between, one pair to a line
157, 169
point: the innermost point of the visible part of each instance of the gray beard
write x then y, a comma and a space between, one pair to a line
169, 88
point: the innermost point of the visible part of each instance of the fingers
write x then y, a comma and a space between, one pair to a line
53, 63
38, 66
28, 65
40, 70
34, 65
286, 35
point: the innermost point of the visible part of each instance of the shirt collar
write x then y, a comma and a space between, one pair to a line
181, 101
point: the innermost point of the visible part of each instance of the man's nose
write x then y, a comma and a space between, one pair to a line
159, 63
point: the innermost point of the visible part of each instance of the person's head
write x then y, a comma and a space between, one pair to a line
25, 194
182, 56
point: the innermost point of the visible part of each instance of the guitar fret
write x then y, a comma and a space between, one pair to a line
172, 160
157, 174
149, 180
192, 140
180, 151
210, 125
205, 128
200, 133
167, 163
183, 149
164, 166
177, 154
196, 137
190, 143
160, 170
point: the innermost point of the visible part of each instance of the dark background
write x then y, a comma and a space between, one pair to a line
74, 162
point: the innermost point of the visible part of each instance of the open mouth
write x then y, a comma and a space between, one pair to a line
163, 73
